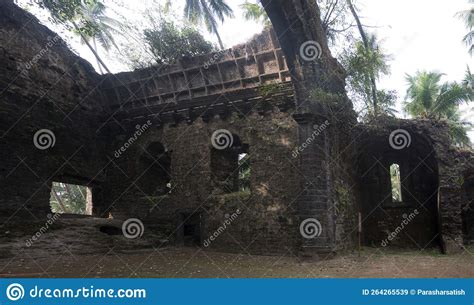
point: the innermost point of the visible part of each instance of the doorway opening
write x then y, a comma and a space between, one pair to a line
189, 232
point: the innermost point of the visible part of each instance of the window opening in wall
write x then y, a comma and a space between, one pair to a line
154, 170
71, 199
230, 167
244, 172
396, 183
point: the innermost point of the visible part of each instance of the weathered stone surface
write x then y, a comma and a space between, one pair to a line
43, 86
142, 141
433, 184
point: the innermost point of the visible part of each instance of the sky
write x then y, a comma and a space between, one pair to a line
417, 34
427, 36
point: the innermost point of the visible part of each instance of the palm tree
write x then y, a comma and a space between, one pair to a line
368, 47
365, 63
468, 17
208, 12
103, 28
468, 83
427, 98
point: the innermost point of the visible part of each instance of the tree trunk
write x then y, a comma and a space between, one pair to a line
90, 47
98, 63
212, 20
219, 40
367, 48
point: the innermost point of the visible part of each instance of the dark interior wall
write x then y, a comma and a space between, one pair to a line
43, 85
441, 161
418, 174
266, 219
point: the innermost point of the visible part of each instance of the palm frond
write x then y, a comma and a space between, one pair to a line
450, 97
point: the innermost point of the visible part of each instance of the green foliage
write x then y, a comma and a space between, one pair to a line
427, 98
208, 12
335, 19
326, 97
468, 17
343, 195
85, 18
268, 89
396, 183
68, 198
68, 11
104, 28
168, 43
333, 16
244, 173
468, 83
255, 12
361, 64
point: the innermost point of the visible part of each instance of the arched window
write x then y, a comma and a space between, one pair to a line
396, 183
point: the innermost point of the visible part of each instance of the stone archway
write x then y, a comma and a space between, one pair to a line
411, 218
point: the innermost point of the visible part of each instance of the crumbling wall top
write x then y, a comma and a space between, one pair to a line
255, 63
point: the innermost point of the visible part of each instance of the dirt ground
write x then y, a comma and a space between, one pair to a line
199, 263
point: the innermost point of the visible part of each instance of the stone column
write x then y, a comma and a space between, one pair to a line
316, 225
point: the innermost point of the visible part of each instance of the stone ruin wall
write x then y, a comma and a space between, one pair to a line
44, 86
246, 90
267, 214
434, 158
226, 77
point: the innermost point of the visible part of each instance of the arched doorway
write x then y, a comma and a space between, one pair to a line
398, 188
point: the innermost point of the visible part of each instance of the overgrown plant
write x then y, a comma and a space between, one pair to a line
364, 65
169, 42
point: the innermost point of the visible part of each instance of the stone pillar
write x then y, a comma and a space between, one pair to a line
317, 230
